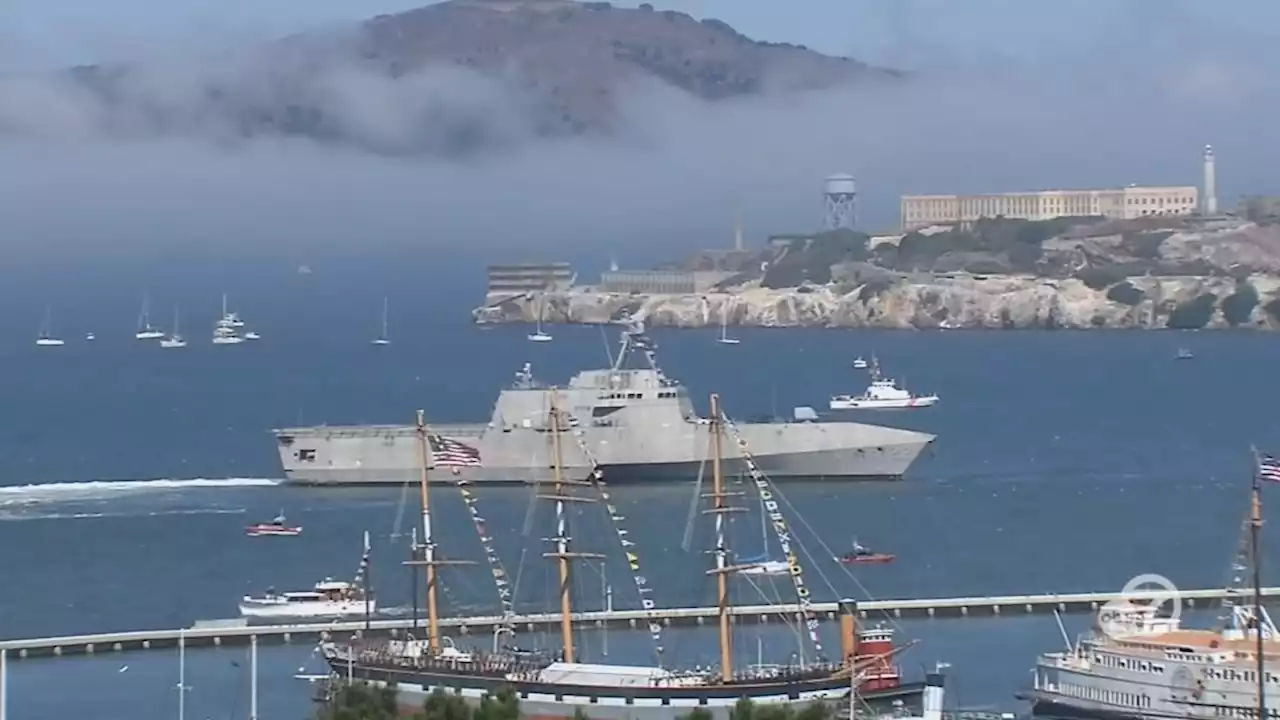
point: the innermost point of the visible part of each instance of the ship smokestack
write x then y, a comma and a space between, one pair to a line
848, 631
1210, 182
934, 684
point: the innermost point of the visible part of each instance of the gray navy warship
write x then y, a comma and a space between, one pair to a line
637, 423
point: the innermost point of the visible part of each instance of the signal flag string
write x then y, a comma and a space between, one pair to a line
628, 546
500, 578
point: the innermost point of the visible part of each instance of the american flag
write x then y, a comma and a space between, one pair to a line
446, 452
1269, 469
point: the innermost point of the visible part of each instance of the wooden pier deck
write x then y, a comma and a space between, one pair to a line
237, 632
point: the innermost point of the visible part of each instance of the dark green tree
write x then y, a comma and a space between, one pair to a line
359, 701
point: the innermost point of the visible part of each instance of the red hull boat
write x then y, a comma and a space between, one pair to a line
863, 555
276, 527
868, 559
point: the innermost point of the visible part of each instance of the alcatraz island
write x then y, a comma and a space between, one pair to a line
1132, 258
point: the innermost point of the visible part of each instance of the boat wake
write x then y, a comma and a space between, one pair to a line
24, 515
26, 495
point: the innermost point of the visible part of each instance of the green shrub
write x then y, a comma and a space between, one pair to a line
1238, 307
1125, 294
1100, 278
1193, 314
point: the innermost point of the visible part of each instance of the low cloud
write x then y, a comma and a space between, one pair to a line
669, 176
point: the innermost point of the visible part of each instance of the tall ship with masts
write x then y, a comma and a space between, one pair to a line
1139, 663
639, 422
558, 683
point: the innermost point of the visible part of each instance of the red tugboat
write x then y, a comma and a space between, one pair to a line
277, 526
863, 555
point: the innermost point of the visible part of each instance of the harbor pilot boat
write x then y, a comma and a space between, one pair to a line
558, 684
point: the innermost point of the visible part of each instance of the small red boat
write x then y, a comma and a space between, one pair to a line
863, 555
277, 526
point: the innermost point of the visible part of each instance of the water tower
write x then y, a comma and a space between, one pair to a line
840, 202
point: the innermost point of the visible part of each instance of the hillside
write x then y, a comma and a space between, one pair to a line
457, 76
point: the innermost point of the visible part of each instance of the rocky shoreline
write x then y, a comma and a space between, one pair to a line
951, 301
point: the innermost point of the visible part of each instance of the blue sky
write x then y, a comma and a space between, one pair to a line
894, 31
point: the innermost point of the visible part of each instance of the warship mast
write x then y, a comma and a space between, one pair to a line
561, 494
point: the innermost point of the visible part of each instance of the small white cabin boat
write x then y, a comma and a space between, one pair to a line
328, 599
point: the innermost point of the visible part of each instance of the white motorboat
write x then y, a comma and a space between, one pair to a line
328, 599
859, 363
90, 337
226, 336
251, 335
145, 330
882, 394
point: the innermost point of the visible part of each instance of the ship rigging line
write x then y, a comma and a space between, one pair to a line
831, 553
783, 533
628, 546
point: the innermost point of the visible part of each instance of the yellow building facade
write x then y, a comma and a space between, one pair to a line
919, 211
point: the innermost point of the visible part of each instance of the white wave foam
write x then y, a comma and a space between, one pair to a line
96, 489
22, 516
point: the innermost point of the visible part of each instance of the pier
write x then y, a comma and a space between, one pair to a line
219, 633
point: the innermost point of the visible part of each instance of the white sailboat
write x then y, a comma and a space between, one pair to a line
46, 338
175, 338
145, 330
538, 335
382, 338
762, 565
724, 338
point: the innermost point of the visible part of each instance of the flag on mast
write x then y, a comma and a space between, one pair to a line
1269, 469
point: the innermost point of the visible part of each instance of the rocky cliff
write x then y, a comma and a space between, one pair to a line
930, 301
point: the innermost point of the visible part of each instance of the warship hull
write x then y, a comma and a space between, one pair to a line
636, 425
785, 451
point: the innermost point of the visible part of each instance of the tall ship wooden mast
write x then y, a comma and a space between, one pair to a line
559, 684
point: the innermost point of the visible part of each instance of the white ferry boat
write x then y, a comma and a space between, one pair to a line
1139, 665
328, 599
882, 394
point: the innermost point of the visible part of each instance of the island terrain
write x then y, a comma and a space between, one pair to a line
1070, 273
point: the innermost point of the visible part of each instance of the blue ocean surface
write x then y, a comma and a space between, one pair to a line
1065, 461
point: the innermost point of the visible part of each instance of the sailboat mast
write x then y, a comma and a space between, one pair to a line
721, 551
562, 538
1255, 528
428, 545
384, 317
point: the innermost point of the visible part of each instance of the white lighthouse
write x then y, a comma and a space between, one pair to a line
1210, 183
